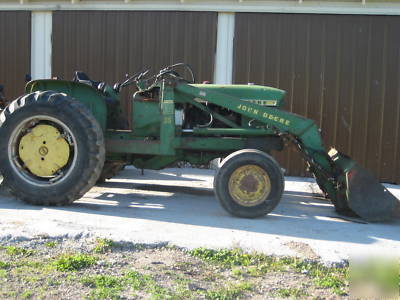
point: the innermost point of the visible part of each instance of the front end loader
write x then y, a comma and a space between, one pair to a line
61, 137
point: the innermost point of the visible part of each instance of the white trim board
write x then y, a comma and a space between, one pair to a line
41, 44
217, 6
224, 54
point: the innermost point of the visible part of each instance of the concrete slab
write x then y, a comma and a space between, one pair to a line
178, 206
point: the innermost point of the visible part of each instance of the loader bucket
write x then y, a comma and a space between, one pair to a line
366, 197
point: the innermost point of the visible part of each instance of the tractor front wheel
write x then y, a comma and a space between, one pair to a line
51, 148
249, 183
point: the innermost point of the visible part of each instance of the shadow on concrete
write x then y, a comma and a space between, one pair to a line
299, 214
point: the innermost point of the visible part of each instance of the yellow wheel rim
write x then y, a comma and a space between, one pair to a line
249, 185
44, 150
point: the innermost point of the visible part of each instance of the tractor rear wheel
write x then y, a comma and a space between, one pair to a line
51, 148
249, 183
110, 169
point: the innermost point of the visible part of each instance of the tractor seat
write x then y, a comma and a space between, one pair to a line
83, 78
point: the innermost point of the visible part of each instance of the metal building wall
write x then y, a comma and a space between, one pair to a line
343, 71
109, 44
15, 51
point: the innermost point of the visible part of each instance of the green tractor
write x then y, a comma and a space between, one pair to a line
61, 137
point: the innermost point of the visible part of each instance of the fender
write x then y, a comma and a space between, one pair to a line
83, 93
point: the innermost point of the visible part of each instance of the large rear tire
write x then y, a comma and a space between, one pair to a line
110, 169
51, 148
249, 183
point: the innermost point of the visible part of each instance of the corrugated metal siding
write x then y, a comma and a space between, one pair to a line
109, 44
343, 71
15, 51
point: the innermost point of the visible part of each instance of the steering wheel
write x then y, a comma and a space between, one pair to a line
134, 78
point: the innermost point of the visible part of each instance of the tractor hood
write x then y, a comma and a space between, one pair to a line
262, 95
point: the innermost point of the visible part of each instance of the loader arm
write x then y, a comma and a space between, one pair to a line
352, 189
283, 123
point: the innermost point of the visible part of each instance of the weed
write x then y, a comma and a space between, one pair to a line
27, 294
291, 292
4, 265
16, 251
235, 257
105, 286
179, 279
32, 279
259, 264
182, 292
102, 281
74, 262
3, 273
53, 282
137, 280
31, 264
237, 272
325, 277
145, 282
105, 293
50, 244
10, 294
229, 292
103, 245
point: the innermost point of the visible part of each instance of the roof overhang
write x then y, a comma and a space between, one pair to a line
365, 7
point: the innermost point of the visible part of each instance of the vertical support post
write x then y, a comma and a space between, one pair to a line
224, 55
167, 130
41, 44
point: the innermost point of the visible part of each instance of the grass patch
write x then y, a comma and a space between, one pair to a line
229, 292
324, 277
238, 272
74, 262
104, 286
18, 251
27, 294
137, 280
234, 257
145, 282
50, 244
257, 265
4, 265
101, 281
103, 245
221, 274
110, 287
291, 292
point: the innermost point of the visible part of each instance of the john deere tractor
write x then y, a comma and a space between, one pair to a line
61, 137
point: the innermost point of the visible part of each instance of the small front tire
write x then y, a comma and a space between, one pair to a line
249, 183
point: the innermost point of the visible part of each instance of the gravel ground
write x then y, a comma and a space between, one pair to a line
93, 268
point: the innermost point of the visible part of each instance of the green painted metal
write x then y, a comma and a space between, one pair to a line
221, 144
230, 131
133, 145
157, 140
146, 118
249, 93
298, 128
167, 130
200, 106
89, 96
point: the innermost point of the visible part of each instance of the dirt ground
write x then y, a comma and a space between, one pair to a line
45, 268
